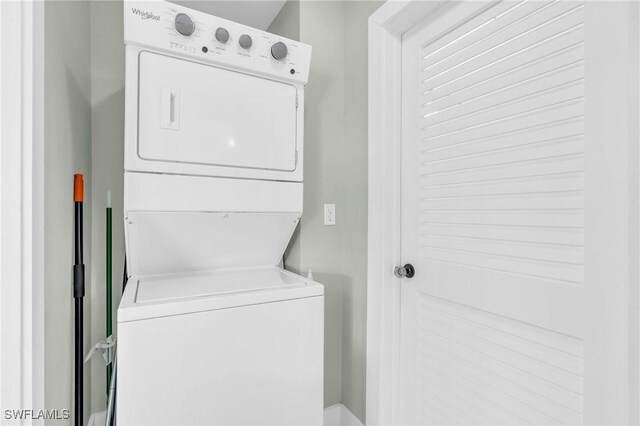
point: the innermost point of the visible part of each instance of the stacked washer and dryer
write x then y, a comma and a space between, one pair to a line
210, 329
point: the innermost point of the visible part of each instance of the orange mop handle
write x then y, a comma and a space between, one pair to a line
78, 188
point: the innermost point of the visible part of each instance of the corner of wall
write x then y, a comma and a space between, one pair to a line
107, 132
67, 132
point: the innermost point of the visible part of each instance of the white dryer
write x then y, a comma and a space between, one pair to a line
210, 329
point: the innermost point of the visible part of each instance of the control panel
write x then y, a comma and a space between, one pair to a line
179, 30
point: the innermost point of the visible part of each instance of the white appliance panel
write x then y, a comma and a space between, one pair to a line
154, 296
200, 114
164, 287
170, 242
196, 193
258, 364
153, 24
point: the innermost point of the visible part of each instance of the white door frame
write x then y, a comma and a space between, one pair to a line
21, 207
386, 27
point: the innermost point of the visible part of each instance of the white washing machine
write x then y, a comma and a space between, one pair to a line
210, 329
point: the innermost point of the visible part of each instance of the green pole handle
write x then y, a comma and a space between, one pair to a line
108, 282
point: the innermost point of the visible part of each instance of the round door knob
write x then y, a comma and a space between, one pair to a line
406, 271
184, 24
279, 50
222, 35
245, 41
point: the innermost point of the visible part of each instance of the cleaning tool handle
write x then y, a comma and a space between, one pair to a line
109, 266
78, 266
78, 281
78, 298
78, 188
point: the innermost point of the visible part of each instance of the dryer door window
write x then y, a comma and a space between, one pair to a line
200, 114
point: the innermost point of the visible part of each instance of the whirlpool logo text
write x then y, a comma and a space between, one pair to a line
145, 15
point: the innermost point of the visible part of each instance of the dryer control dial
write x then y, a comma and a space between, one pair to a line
222, 35
184, 24
245, 41
279, 50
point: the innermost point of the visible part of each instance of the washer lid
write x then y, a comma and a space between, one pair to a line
166, 242
176, 294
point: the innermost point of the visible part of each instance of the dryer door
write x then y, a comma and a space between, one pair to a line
202, 115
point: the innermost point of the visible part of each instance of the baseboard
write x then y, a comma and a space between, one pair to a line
98, 419
339, 415
336, 415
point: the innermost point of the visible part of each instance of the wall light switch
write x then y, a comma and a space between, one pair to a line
329, 214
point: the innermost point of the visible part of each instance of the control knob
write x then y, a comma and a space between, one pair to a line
222, 35
184, 24
245, 41
279, 50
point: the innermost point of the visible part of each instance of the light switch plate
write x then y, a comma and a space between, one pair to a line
329, 214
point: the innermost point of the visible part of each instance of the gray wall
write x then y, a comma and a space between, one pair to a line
287, 22
335, 172
107, 134
67, 151
355, 186
319, 247
84, 122
84, 132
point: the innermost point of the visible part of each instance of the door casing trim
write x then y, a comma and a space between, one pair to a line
386, 27
22, 220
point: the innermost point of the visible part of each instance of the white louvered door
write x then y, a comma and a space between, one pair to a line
514, 215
